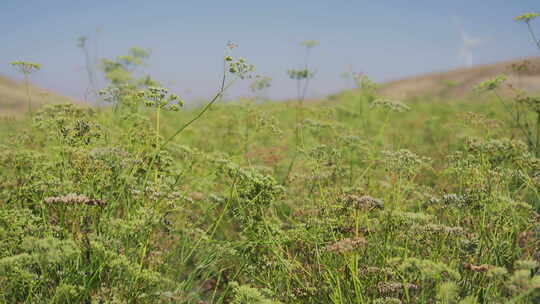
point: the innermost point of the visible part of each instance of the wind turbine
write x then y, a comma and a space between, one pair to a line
467, 46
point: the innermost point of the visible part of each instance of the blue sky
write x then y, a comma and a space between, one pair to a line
385, 39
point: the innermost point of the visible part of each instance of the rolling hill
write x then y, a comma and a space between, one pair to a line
13, 98
453, 83
459, 82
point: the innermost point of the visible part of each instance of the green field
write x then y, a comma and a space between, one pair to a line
355, 204
353, 198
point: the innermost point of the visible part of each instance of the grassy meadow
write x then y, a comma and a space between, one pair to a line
354, 198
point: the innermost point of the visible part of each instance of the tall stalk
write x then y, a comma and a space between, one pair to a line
28, 95
302, 78
158, 111
527, 18
538, 134
27, 68
239, 68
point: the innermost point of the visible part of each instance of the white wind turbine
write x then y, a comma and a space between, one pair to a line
467, 46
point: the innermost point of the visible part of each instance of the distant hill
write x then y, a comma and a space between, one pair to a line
459, 82
453, 83
13, 100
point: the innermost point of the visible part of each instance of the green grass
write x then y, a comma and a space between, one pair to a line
437, 204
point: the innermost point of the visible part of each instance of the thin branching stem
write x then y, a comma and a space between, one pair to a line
519, 125
533, 35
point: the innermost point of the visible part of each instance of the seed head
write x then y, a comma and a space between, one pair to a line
346, 245
74, 199
395, 287
477, 268
363, 202
231, 45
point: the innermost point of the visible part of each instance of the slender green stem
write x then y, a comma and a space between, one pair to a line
28, 95
519, 125
218, 95
538, 134
301, 94
533, 35
194, 119
246, 137
158, 111
537, 42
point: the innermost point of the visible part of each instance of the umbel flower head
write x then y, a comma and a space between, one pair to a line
25, 67
260, 84
309, 43
299, 74
390, 105
240, 67
160, 98
526, 17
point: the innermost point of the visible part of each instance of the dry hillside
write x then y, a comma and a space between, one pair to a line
13, 100
459, 82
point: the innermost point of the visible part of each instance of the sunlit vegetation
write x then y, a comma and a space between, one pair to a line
355, 198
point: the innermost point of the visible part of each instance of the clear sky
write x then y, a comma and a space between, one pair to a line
386, 39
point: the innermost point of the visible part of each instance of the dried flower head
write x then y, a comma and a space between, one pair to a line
346, 245
74, 199
372, 270
438, 229
363, 202
231, 45
457, 199
387, 300
477, 268
391, 287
